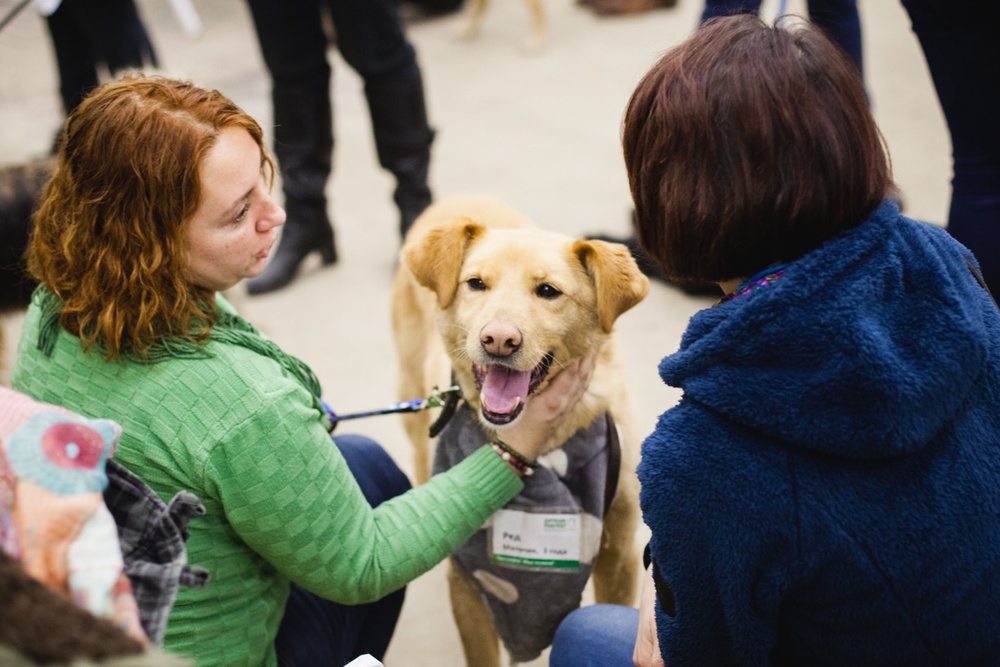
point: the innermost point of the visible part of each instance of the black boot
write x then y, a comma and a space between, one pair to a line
412, 194
306, 229
303, 145
403, 138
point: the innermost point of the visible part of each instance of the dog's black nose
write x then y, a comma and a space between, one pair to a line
500, 339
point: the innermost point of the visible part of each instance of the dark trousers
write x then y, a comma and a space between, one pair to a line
371, 37
837, 18
369, 34
91, 35
319, 633
961, 43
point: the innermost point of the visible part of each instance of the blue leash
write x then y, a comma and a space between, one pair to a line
437, 399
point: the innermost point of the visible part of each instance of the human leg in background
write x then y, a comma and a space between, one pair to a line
961, 44
417, 10
294, 47
372, 39
715, 8
620, 7
840, 20
318, 633
88, 35
600, 635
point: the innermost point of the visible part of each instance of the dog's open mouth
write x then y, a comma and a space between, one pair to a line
503, 391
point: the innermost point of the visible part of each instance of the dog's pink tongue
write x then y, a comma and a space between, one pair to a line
503, 389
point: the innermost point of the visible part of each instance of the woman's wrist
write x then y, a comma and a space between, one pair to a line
519, 463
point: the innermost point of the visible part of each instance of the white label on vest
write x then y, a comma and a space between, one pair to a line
536, 540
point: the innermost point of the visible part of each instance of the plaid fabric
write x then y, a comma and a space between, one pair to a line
152, 535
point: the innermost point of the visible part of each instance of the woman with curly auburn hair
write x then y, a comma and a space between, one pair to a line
827, 490
160, 201
109, 233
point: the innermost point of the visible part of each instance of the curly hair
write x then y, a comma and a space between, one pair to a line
109, 234
749, 145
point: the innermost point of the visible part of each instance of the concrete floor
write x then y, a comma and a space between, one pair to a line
539, 130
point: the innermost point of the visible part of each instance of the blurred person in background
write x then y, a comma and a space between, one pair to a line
961, 44
294, 37
95, 40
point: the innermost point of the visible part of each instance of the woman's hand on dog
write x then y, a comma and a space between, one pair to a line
647, 644
545, 410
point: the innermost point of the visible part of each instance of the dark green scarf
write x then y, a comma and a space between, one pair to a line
229, 329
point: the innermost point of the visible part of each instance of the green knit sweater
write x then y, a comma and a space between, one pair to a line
239, 427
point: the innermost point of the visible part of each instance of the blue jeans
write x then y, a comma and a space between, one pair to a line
961, 45
315, 632
839, 19
601, 635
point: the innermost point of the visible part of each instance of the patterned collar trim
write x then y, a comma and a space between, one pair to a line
755, 282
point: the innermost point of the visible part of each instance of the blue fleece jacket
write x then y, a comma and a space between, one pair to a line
827, 490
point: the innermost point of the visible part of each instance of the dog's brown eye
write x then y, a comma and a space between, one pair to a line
476, 284
547, 291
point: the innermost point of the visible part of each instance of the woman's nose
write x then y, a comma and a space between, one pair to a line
274, 216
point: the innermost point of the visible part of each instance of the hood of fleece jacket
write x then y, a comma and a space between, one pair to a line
864, 348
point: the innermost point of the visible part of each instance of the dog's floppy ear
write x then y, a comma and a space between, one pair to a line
436, 258
617, 278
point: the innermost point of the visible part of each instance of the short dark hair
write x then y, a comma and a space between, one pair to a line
747, 145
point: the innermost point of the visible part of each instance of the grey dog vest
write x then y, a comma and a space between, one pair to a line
528, 604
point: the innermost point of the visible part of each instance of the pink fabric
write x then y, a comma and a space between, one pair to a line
52, 512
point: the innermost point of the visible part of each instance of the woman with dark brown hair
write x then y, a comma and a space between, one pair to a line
161, 200
827, 490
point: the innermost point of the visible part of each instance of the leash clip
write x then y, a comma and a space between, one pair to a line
442, 397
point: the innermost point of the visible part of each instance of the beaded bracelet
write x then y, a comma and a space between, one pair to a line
514, 459
521, 468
